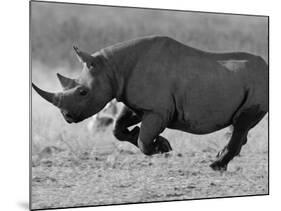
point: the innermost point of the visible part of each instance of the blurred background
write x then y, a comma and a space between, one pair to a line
56, 27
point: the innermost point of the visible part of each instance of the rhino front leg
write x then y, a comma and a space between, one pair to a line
149, 140
127, 118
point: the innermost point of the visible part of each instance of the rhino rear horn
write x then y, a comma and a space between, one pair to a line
50, 97
84, 57
66, 83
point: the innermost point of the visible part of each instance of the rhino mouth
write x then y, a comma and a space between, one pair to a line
72, 120
69, 120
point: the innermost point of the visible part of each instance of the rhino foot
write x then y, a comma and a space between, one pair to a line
162, 145
218, 166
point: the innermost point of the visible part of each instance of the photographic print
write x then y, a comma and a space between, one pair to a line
136, 105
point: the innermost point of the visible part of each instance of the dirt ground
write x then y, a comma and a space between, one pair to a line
116, 173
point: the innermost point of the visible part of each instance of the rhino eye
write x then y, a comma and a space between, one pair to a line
83, 92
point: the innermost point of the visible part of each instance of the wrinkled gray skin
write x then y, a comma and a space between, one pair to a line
166, 84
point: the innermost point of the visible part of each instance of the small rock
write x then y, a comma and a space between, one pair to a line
194, 173
47, 163
191, 186
166, 155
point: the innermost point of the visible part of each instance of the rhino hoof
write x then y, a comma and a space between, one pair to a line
218, 166
162, 145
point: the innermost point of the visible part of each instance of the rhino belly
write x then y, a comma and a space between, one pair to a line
206, 116
197, 127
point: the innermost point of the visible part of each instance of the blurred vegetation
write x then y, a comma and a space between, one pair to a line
56, 27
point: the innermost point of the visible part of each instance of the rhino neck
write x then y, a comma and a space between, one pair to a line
122, 59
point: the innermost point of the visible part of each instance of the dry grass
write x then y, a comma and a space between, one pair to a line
72, 167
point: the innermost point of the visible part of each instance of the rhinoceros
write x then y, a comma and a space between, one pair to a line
167, 84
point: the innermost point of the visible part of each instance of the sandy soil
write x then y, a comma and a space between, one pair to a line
116, 174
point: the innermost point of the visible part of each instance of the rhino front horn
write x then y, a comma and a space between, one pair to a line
66, 83
50, 97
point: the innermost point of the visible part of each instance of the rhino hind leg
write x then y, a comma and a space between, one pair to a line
242, 123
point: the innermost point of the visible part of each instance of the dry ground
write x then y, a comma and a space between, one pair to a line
78, 168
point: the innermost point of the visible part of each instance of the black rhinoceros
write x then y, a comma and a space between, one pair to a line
166, 84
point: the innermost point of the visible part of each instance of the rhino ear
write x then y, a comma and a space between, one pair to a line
66, 83
84, 57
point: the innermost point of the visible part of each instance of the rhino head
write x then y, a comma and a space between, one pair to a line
84, 96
